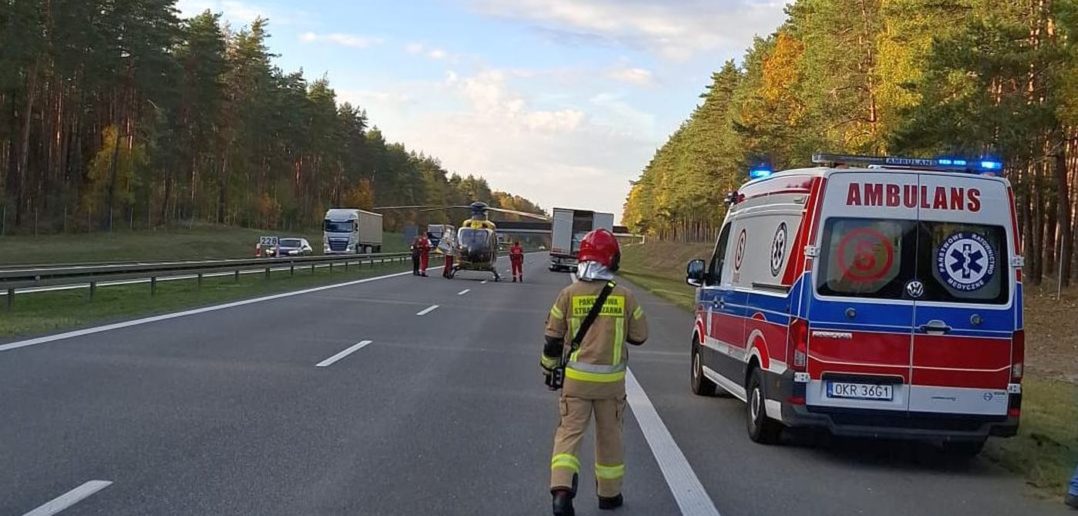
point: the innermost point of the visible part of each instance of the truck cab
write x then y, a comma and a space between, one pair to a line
351, 231
875, 301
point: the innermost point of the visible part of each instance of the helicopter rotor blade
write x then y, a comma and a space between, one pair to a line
521, 213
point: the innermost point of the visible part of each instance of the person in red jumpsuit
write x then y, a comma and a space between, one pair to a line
424, 254
516, 257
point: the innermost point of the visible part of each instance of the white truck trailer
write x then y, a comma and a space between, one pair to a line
351, 231
567, 227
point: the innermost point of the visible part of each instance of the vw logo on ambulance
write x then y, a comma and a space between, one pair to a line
886, 304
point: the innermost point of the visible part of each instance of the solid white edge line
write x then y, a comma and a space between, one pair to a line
117, 283
69, 498
689, 493
147, 320
351, 349
465, 291
427, 310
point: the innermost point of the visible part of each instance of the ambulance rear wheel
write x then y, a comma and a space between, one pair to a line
701, 386
762, 429
963, 449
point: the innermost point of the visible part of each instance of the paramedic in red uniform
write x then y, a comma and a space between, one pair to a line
424, 254
516, 257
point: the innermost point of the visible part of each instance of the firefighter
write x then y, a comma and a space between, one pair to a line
423, 243
516, 257
594, 373
415, 256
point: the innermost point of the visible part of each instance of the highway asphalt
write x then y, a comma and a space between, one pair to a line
278, 407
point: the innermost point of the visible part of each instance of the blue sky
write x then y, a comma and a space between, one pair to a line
561, 101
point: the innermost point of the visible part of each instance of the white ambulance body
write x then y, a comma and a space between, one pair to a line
883, 301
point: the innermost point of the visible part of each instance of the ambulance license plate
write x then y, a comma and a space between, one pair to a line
860, 391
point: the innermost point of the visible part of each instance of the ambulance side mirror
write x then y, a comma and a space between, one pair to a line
694, 273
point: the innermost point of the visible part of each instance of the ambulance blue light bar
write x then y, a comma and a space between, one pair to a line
759, 172
943, 164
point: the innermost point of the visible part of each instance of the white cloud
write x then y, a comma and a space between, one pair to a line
478, 123
674, 29
363, 98
239, 13
344, 40
434, 53
632, 75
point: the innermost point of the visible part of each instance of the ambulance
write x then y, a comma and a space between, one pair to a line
868, 296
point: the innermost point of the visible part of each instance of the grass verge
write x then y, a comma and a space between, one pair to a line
202, 242
1045, 450
47, 312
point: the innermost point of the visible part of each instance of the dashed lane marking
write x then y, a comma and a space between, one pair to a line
69, 498
465, 291
427, 310
351, 349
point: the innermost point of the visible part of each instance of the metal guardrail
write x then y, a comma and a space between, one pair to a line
92, 274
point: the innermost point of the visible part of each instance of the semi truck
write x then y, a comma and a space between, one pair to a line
347, 230
567, 227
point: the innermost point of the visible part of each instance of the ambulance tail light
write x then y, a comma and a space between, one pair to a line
1018, 354
797, 344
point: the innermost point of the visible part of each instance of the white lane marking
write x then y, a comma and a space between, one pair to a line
351, 349
465, 291
484, 282
69, 498
428, 310
689, 493
147, 320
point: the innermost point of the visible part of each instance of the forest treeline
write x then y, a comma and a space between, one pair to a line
903, 77
118, 113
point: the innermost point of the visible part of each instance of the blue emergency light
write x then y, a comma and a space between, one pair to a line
985, 166
759, 172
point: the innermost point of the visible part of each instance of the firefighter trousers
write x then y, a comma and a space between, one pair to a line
576, 413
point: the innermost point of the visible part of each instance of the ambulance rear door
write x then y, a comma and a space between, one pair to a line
860, 315
965, 318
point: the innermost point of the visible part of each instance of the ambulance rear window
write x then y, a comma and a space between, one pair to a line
968, 262
874, 258
867, 257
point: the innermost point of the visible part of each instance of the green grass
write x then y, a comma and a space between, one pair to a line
201, 242
1045, 450
47, 312
659, 267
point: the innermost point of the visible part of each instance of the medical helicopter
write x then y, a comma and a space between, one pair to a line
476, 242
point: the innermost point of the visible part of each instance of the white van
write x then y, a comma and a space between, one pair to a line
876, 301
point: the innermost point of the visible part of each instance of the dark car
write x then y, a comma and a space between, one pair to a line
293, 247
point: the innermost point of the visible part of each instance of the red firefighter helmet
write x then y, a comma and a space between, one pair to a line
600, 246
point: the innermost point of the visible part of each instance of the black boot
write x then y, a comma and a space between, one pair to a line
563, 503
613, 502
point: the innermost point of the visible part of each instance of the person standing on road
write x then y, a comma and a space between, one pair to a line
594, 374
516, 258
415, 256
424, 254
449, 248
1072, 492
